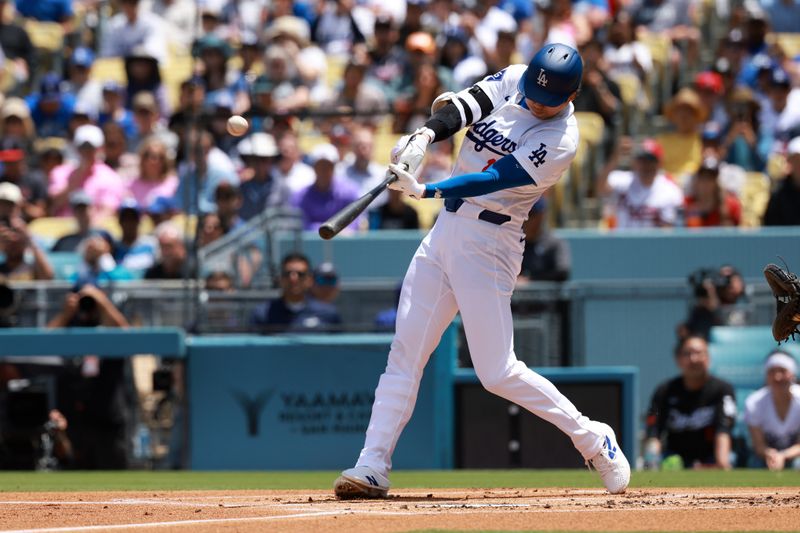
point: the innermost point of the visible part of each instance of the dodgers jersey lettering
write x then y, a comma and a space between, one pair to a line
544, 148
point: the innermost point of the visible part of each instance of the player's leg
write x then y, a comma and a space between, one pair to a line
483, 283
425, 309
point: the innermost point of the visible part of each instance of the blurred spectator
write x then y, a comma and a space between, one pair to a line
546, 257
134, 28
148, 123
190, 104
262, 189
294, 309
32, 185
359, 95
772, 414
683, 146
219, 280
156, 177
228, 200
385, 319
290, 169
438, 162
675, 19
133, 251
456, 56
161, 210
87, 92
46, 10
81, 204
99, 181
335, 29
412, 109
209, 229
599, 93
51, 108
289, 92
642, 197
113, 109
416, 10
708, 203
16, 122
93, 391
743, 144
326, 284
329, 193
143, 75
709, 87
623, 53
782, 209
731, 177
293, 35
98, 266
16, 242
718, 301
180, 18
201, 174
173, 262
386, 56
116, 154
16, 46
214, 54
780, 116
359, 166
561, 25
215, 117
394, 214
692, 415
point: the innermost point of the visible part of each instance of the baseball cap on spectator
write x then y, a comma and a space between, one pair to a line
780, 359
384, 22
79, 198
211, 41
9, 192
129, 205
82, 57
259, 144
50, 87
249, 39
293, 28
709, 81
145, 101
712, 132
112, 86
793, 148
779, 78
325, 275
89, 134
161, 205
418, 3
323, 152
649, 149
419, 41
85, 109
11, 151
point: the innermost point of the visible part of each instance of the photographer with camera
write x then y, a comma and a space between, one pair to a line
92, 392
717, 296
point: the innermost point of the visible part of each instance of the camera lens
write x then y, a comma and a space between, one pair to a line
87, 304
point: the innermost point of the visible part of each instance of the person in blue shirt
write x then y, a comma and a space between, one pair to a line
46, 10
133, 251
51, 108
294, 310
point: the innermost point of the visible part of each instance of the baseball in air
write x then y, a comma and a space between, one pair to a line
237, 125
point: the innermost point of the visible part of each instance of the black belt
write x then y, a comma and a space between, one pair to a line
452, 205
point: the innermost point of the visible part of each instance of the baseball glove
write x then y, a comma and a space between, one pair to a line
786, 289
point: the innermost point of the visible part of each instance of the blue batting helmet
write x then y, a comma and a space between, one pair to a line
554, 73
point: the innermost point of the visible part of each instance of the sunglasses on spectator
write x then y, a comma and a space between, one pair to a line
298, 273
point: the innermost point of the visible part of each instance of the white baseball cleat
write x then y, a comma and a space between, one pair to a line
611, 463
360, 482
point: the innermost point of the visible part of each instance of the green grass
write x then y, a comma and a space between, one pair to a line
171, 480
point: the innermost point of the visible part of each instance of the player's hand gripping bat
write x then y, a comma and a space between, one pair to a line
348, 213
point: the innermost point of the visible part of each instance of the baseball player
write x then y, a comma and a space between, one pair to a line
521, 137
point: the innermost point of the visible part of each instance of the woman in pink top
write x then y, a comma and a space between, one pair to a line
155, 173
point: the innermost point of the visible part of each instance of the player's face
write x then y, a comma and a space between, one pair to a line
544, 112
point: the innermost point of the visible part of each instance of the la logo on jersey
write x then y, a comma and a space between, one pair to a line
538, 155
542, 79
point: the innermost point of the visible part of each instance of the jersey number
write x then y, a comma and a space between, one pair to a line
489, 163
538, 155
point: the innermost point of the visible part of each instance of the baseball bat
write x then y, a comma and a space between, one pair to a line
348, 213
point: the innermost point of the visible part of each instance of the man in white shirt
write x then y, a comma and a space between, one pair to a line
644, 196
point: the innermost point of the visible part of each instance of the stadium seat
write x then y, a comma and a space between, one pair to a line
754, 198
51, 227
109, 69
789, 42
47, 36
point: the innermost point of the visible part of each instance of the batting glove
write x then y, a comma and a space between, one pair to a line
410, 149
406, 182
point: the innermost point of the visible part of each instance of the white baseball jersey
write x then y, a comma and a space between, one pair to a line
760, 412
639, 206
544, 148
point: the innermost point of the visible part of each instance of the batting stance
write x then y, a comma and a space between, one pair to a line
522, 136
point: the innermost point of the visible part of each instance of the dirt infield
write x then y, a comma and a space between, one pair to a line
776, 509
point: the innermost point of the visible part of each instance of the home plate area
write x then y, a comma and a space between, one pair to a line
730, 509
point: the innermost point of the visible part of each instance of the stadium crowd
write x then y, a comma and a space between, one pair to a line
113, 146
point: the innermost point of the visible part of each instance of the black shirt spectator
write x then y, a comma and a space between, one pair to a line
173, 263
692, 415
394, 214
546, 257
783, 208
32, 184
295, 310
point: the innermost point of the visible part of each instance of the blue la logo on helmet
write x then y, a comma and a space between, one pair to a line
554, 73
